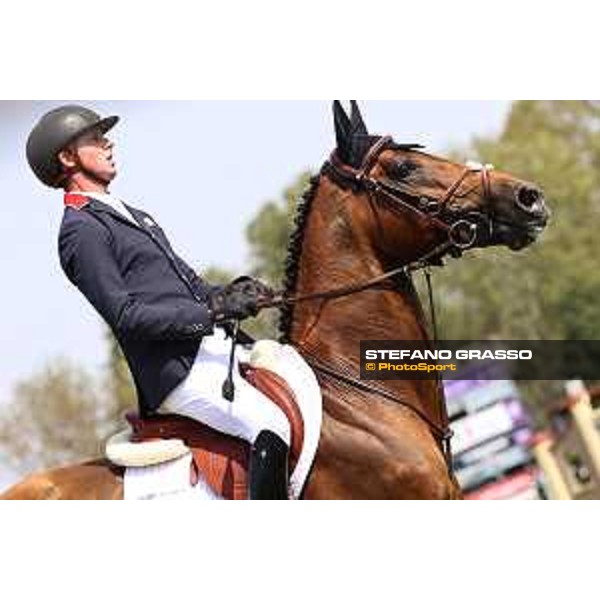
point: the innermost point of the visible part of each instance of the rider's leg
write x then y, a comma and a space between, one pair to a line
269, 468
251, 416
250, 413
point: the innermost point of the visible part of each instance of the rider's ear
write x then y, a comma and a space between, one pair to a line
343, 129
67, 158
358, 124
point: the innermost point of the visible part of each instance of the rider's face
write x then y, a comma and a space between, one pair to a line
94, 152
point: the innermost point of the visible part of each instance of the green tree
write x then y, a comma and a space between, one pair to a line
269, 231
55, 417
547, 291
267, 235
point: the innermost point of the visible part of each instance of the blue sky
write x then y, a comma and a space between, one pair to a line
202, 169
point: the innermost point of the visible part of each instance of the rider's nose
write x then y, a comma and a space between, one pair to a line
530, 199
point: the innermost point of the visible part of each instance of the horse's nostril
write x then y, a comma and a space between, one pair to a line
529, 198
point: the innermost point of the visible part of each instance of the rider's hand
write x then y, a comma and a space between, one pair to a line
252, 288
238, 300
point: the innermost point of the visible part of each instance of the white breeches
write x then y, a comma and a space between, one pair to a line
199, 396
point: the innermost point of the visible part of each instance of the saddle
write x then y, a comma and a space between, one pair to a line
221, 460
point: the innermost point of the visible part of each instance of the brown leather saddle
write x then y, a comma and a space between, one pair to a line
222, 460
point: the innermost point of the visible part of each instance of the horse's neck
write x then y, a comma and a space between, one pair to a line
335, 253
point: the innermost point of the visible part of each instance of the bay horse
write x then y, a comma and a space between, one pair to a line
376, 211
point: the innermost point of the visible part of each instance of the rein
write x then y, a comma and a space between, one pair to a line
460, 235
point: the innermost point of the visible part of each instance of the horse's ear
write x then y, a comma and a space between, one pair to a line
353, 140
357, 122
343, 128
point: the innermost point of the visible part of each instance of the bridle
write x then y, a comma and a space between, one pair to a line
461, 231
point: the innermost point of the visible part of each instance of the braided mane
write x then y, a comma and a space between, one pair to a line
294, 253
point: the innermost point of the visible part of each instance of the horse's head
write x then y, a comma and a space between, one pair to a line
418, 200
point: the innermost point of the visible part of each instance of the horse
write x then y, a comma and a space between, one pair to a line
376, 212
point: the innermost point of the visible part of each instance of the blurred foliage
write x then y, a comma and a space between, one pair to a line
550, 290
57, 416
267, 235
217, 276
546, 291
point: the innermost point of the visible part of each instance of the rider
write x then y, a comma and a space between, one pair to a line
168, 321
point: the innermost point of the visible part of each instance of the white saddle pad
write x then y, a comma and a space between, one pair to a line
170, 480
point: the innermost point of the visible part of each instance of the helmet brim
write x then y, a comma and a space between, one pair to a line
107, 123
104, 125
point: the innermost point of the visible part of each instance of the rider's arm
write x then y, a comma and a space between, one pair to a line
89, 262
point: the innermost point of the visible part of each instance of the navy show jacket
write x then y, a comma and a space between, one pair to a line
155, 304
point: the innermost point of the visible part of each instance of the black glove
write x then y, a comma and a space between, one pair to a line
250, 287
238, 300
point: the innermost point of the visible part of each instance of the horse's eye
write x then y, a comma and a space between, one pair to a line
402, 169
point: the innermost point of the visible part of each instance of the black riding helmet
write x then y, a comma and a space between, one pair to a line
54, 132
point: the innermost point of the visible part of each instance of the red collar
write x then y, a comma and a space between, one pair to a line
76, 201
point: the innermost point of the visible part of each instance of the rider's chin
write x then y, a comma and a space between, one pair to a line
109, 174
